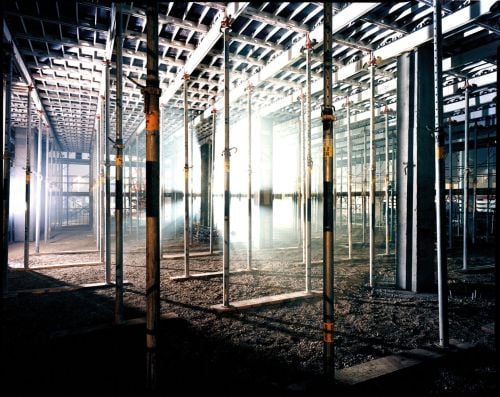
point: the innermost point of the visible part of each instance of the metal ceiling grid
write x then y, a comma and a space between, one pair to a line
64, 47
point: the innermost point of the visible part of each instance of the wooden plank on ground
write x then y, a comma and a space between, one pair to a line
63, 288
206, 275
191, 255
58, 266
377, 368
108, 326
265, 300
65, 252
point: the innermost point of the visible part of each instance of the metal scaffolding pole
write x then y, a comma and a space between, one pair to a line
488, 187
211, 181
465, 201
27, 185
191, 195
99, 186
303, 173
299, 187
308, 50
363, 189
225, 27
249, 111
5, 174
119, 170
46, 227
38, 193
107, 222
186, 178
349, 176
67, 187
60, 198
386, 111
327, 119
129, 217
152, 94
450, 190
138, 185
372, 166
393, 188
102, 192
474, 189
440, 176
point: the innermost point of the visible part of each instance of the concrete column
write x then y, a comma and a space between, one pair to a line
415, 190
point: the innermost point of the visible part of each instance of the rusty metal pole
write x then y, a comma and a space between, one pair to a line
308, 49
386, 141
46, 227
38, 191
186, 178
249, 111
474, 189
299, 187
27, 185
138, 186
372, 166
5, 175
107, 221
349, 176
465, 201
327, 119
152, 94
211, 181
102, 192
450, 190
119, 170
363, 189
98, 185
303, 173
439, 164
225, 27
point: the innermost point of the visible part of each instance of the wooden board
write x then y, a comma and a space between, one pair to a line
57, 266
265, 300
108, 326
374, 369
206, 275
63, 288
191, 255
65, 252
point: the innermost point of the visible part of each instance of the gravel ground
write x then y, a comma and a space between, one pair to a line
274, 349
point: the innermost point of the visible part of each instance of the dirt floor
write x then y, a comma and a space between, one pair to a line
54, 342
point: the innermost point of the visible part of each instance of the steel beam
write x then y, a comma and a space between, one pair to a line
211, 37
